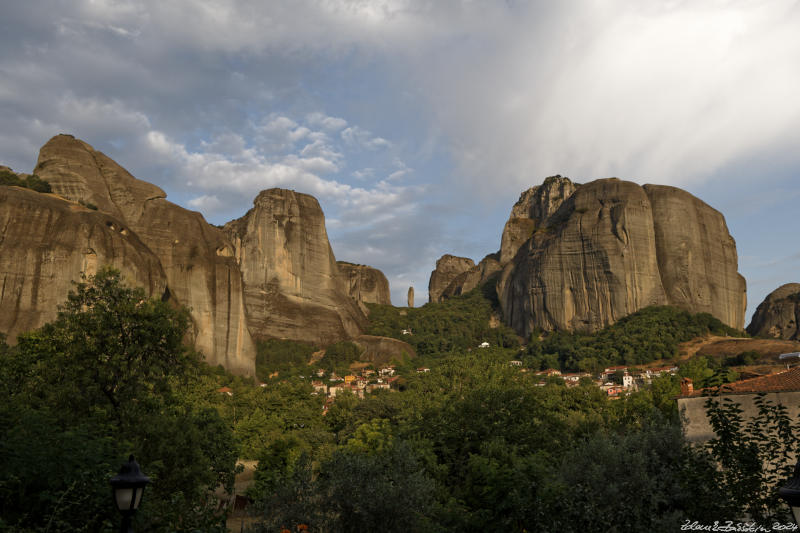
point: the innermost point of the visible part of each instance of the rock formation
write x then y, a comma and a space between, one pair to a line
531, 212
448, 268
196, 257
411, 296
614, 247
293, 289
46, 242
580, 257
364, 283
779, 314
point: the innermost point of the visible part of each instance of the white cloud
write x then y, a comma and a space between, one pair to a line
206, 203
360, 138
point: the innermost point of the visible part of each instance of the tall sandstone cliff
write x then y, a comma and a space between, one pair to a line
580, 257
778, 315
293, 289
46, 242
196, 258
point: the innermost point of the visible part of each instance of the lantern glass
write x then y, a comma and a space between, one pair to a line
128, 498
124, 498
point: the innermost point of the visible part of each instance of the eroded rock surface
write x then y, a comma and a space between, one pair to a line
614, 247
448, 268
196, 257
778, 315
293, 289
47, 242
364, 283
532, 212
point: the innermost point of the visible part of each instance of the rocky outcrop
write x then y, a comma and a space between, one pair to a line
46, 242
530, 214
533, 211
196, 257
293, 289
779, 314
469, 279
613, 247
364, 283
448, 267
382, 350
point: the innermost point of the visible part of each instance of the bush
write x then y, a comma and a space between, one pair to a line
33, 181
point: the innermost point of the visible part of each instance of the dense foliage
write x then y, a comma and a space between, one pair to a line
647, 335
281, 356
91, 387
32, 181
455, 325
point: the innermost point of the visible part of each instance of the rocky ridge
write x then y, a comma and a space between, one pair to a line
779, 314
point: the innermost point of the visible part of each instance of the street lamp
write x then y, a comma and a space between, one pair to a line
791, 493
128, 487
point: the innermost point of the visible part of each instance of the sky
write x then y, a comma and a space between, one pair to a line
417, 123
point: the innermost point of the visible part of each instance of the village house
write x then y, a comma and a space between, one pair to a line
319, 387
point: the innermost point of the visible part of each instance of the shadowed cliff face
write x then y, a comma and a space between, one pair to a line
196, 257
364, 283
580, 257
293, 288
448, 268
46, 242
779, 314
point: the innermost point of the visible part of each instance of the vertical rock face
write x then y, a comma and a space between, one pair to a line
46, 242
411, 296
196, 257
292, 285
614, 247
364, 283
448, 267
779, 314
595, 264
696, 255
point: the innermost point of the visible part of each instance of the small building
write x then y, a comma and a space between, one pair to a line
423, 369
226, 390
484, 345
779, 388
319, 387
515, 362
549, 372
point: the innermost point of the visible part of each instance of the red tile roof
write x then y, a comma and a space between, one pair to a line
788, 380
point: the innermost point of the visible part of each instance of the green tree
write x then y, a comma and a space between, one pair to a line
755, 456
101, 379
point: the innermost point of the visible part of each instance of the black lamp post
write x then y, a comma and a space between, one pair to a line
791, 493
128, 487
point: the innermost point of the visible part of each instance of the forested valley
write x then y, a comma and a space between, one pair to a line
474, 444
